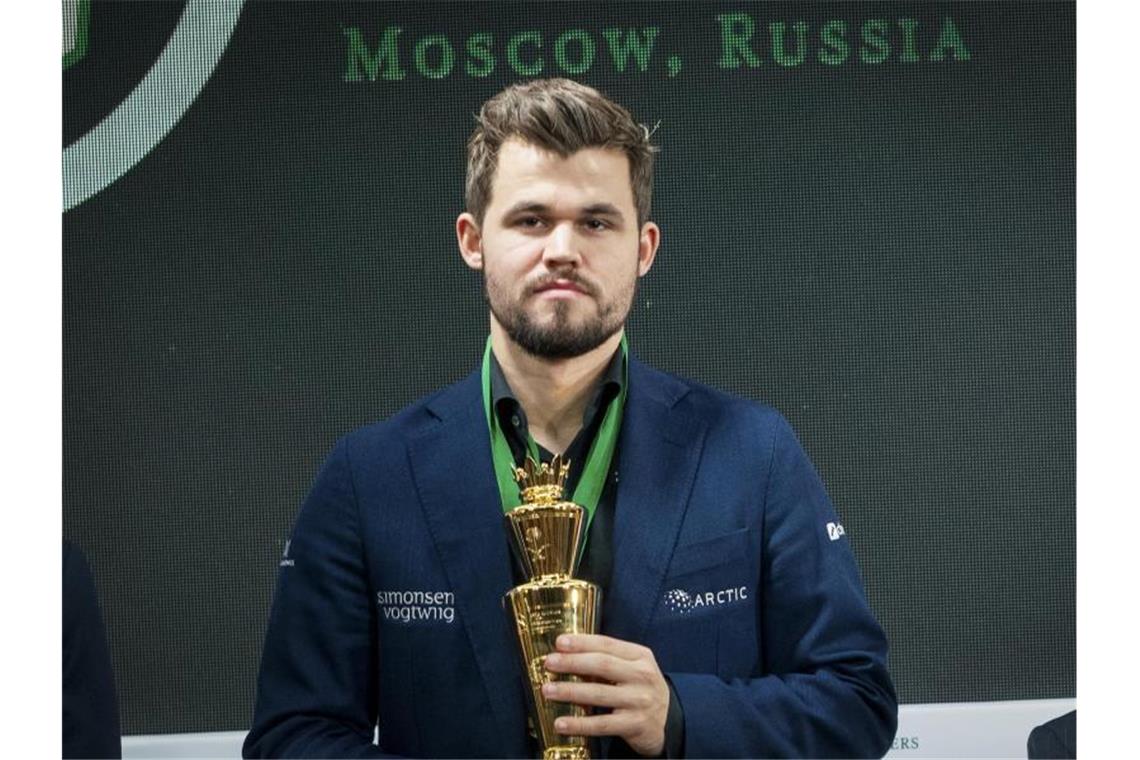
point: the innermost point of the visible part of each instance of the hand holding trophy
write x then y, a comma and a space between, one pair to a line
546, 535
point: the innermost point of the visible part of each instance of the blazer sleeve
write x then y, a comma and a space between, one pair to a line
823, 689
316, 689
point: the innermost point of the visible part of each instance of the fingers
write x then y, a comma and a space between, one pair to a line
612, 724
593, 694
589, 642
605, 667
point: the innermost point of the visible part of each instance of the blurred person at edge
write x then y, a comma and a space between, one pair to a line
90, 706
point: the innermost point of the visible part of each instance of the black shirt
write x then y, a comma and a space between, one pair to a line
597, 561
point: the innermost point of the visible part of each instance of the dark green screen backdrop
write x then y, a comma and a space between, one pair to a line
868, 222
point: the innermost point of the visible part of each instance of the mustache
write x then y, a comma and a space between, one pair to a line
546, 281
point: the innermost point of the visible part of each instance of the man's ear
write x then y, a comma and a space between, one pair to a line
647, 244
470, 239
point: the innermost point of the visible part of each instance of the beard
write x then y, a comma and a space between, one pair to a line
560, 336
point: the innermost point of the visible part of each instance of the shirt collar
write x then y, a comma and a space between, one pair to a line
503, 398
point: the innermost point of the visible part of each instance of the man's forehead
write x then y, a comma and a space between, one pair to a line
524, 151
597, 174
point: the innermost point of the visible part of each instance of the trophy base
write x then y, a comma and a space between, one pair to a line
565, 753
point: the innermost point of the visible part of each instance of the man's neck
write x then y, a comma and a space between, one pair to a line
553, 392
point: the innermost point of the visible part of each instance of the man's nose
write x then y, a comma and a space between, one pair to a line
562, 245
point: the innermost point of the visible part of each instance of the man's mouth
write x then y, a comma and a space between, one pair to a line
560, 286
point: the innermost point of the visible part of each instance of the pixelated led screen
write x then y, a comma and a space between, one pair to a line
868, 222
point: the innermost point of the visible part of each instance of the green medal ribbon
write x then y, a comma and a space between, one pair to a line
593, 479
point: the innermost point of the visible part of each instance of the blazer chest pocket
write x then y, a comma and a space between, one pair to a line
709, 586
702, 556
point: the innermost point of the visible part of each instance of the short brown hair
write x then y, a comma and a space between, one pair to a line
563, 117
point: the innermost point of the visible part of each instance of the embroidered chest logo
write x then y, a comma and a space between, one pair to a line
683, 602
411, 607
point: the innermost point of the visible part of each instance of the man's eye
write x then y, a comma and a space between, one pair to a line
529, 221
596, 224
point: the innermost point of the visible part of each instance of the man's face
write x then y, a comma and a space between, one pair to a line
560, 248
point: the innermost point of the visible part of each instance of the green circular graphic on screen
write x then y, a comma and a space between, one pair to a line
147, 115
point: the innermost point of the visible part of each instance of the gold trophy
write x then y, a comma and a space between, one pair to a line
546, 535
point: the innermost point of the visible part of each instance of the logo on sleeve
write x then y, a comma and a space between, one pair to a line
285, 560
835, 531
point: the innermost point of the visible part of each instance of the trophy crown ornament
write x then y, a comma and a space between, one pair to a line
542, 483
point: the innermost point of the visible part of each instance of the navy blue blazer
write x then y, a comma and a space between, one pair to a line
728, 564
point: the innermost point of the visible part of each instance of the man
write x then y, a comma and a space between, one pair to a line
734, 621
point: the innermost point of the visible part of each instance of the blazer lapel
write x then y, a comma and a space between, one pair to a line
451, 466
661, 446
